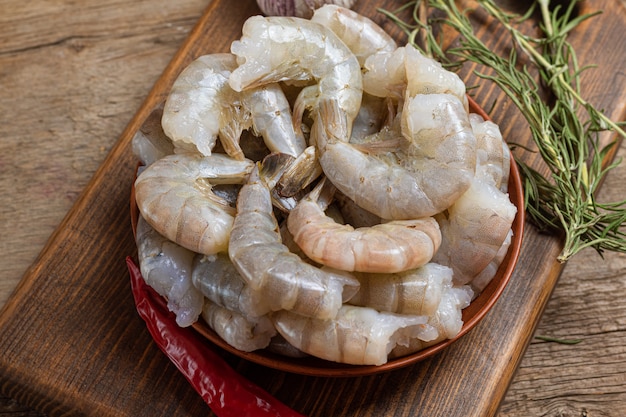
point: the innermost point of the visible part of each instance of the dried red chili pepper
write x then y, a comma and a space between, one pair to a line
228, 393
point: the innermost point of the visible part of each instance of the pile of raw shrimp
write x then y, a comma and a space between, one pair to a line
321, 191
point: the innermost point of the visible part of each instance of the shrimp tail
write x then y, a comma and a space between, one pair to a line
273, 167
301, 172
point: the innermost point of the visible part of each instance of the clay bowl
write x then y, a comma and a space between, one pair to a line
472, 314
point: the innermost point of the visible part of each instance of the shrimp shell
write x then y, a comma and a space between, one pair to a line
269, 268
394, 246
474, 229
201, 105
447, 321
359, 33
357, 335
418, 291
167, 268
174, 195
405, 72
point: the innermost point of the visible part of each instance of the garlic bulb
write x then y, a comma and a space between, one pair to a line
299, 8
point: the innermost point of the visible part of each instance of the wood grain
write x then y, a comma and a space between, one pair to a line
83, 78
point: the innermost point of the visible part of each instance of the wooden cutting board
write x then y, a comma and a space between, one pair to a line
73, 344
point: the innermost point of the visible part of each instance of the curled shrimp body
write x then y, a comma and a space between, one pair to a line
438, 167
201, 107
278, 48
167, 268
175, 196
270, 269
474, 229
394, 246
418, 291
405, 71
357, 335
359, 33
445, 323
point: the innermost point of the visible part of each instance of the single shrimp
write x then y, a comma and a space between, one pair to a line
361, 34
390, 247
201, 107
357, 335
268, 267
167, 267
197, 109
175, 196
474, 229
437, 167
236, 329
405, 72
418, 291
278, 48
446, 322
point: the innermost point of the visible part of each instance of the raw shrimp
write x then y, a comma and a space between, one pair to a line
357, 335
438, 167
359, 33
387, 247
219, 281
300, 173
277, 48
269, 268
201, 106
272, 119
405, 72
167, 267
492, 153
237, 330
174, 195
417, 291
447, 321
480, 281
474, 229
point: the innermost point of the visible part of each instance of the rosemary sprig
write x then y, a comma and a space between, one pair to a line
565, 199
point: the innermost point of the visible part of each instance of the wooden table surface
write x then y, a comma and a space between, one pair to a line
73, 74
